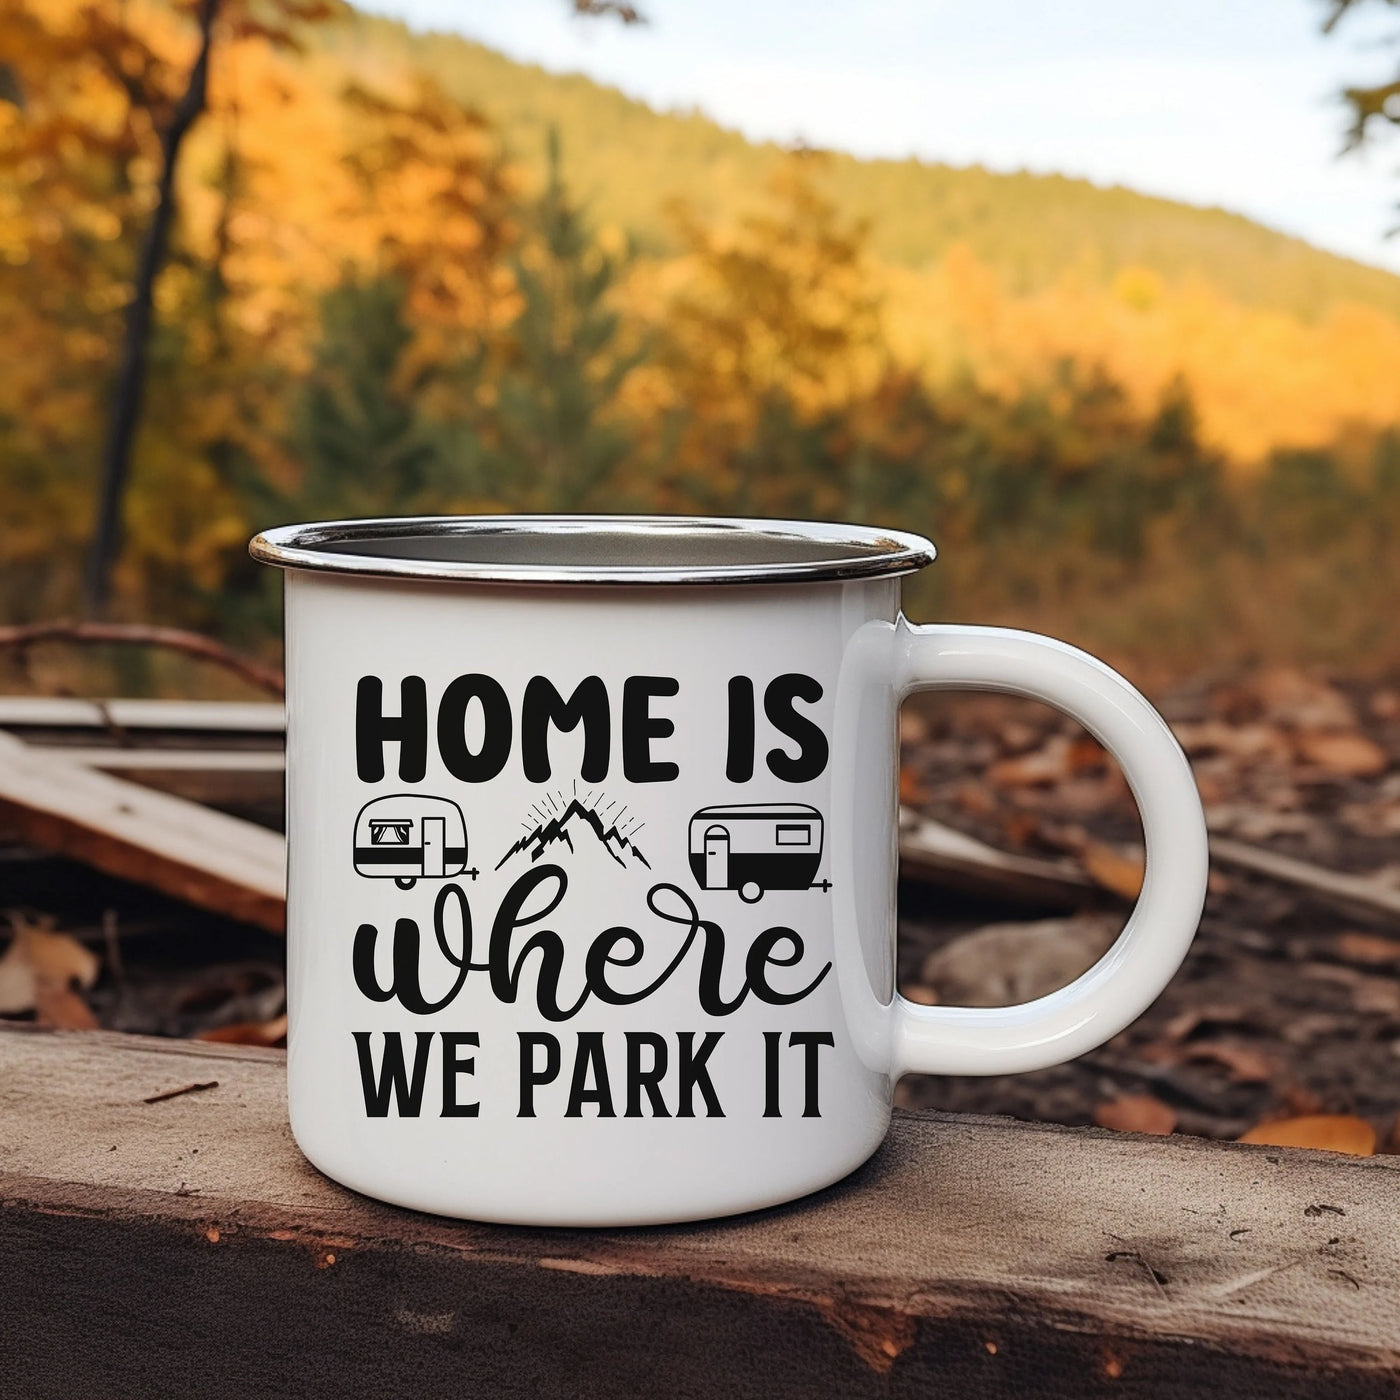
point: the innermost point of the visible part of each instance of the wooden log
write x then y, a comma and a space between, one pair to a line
184, 1247
201, 856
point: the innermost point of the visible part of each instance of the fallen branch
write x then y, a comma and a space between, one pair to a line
183, 1089
1357, 892
143, 634
936, 854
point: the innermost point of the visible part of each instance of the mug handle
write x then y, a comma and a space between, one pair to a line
1128, 978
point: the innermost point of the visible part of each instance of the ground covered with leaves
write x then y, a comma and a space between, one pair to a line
1288, 1005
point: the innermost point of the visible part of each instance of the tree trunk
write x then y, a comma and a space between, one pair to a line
129, 389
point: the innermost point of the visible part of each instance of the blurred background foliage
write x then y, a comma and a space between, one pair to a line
405, 275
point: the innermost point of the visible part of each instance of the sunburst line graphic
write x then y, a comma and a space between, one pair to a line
556, 816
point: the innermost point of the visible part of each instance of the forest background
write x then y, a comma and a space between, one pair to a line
404, 275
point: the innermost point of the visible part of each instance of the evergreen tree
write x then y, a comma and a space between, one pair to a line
555, 439
357, 435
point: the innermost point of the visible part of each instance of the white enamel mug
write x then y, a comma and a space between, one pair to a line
592, 839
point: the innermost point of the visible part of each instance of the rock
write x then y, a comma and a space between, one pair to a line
1003, 964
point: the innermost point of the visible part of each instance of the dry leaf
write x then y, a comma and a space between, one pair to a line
59, 959
1086, 795
1348, 755
1135, 1113
1112, 869
912, 791
974, 800
1016, 736
1300, 1101
17, 982
1243, 1064
249, 1032
1086, 754
1325, 1132
1303, 701
1245, 743
1046, 765
1020, 828
921, 995
62, 1008
1372, 818
1314, 1025
1368, 948
1385, 704
1054, 835
1214, 1013
913, 727
1251, 822
1211, 786
37, 960
1378, 996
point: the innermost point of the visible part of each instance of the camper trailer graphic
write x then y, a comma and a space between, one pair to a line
409, 837
757, 846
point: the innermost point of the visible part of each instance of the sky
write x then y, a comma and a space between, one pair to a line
1216, 102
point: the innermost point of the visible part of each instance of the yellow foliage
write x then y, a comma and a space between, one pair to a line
299, 174
1139, 287
1260, 379
781, 304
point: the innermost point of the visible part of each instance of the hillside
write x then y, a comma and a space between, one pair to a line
629, 161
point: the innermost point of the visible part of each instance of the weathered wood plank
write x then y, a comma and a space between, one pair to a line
185, 1247
195, 716
243, 782
208, 859
185, 760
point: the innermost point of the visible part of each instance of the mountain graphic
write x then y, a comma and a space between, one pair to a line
575, 818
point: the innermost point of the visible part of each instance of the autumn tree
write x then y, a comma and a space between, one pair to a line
168, 109
776, 327
432, 208
426, 223
101, 100
70, 153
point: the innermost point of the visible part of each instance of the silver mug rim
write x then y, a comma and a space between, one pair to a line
592, 549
